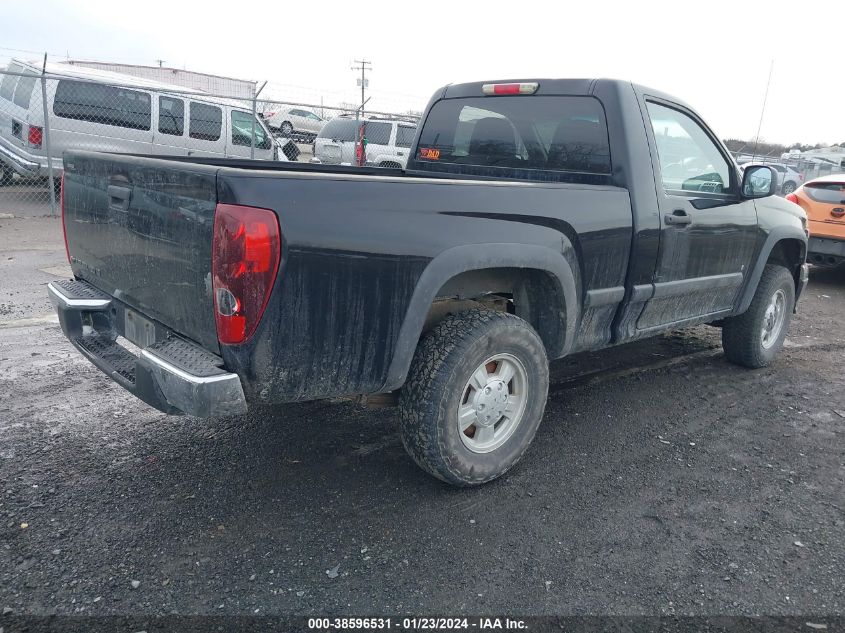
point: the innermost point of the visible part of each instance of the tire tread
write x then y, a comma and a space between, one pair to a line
740, 334
432, 371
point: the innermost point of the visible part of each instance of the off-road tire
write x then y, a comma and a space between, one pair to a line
443, 362
742, 335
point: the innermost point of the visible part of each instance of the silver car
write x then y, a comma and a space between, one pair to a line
294, 122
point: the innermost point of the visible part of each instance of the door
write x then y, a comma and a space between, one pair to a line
708, 232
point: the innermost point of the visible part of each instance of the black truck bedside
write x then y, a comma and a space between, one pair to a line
536, 218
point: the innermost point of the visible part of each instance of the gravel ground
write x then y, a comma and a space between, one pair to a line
663, 480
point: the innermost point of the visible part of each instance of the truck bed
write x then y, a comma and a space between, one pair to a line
356, 275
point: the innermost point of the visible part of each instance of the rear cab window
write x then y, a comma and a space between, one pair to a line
548, 138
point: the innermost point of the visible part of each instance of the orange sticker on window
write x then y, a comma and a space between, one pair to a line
429, 153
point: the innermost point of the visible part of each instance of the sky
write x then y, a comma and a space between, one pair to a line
714, 55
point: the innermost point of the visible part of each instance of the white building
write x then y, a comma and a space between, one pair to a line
213, 84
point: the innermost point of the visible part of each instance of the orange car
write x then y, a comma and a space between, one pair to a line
823, 200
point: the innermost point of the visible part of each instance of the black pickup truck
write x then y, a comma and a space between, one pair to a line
535, 219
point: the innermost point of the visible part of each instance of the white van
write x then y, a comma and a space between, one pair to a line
388, 142
102, 111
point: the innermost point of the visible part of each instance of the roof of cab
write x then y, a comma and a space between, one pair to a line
548, 86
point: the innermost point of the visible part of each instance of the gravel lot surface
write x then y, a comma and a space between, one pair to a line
663, 480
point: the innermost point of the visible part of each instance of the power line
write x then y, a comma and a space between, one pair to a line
363, 67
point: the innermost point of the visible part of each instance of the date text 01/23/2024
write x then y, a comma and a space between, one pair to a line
415, 624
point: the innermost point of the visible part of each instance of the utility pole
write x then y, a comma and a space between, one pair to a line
363, 66
160, 62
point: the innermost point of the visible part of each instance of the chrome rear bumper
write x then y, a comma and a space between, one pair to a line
173, 375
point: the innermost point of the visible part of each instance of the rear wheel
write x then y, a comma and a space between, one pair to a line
753, 339
788, 187
474, 397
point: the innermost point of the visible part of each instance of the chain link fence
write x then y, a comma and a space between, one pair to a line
47, 109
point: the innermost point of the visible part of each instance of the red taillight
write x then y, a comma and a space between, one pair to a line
64, 220
792, 197
36, 135
245, 255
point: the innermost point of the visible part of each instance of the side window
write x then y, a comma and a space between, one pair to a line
242, 130
313, 116
107, 105
7, 88
378, 133
24, 91
689, 160
171, 116
405, 135
206, 122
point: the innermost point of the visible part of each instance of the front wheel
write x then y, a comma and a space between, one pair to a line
753, 339
286, 129
475, 395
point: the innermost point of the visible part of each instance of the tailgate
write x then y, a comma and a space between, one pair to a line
140, 229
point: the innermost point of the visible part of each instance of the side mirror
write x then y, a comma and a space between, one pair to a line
759, 181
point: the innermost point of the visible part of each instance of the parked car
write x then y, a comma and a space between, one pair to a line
103, 111
823, 200
789, 178
295, 122
387, 142
534, 220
